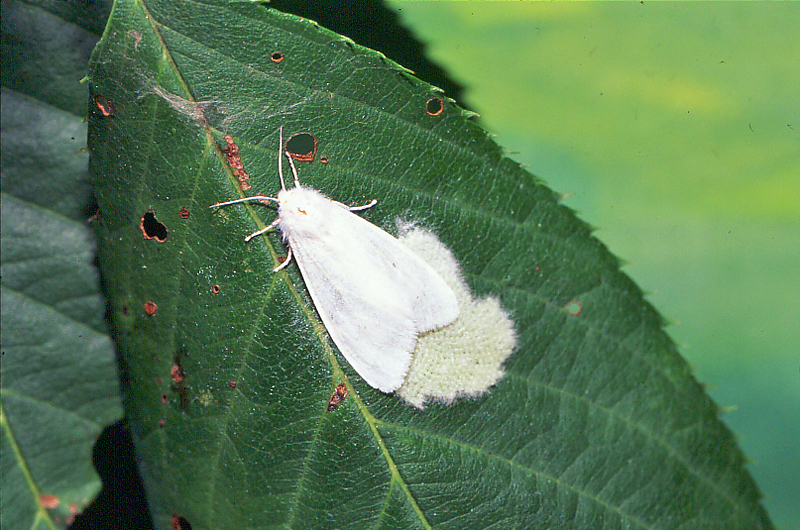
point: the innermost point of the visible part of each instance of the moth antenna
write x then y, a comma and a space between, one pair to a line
280, 158
294, 170
244, 199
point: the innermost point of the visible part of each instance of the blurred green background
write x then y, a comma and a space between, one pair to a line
675, 129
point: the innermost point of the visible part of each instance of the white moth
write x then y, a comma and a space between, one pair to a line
374, 294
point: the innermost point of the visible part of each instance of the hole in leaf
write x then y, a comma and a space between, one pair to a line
323, 159
434, 106
178, 522
574, 308
302, 146
276, 57
184, 213
215, 289
152, 228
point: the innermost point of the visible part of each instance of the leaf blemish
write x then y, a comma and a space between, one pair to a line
177, 373
339, 393
232, 154
105, 105
49, 501
150, 308
276, 57
184, 213
137, 38
179, 379
152, 228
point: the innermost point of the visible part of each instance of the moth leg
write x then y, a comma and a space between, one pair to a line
371, 203
272, 225
285, 262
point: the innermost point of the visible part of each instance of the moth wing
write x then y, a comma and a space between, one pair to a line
373, 328
433, 302
374, 295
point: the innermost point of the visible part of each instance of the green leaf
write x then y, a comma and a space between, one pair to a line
60, 383
59, 373
598, 422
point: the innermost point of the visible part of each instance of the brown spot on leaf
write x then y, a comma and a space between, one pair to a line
49, 501
232, 154
177, 373
136, 36
339, 393
105, 105
323, 159
179, 378
150, 308
184, 213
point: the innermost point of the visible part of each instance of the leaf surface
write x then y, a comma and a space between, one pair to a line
598, 422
